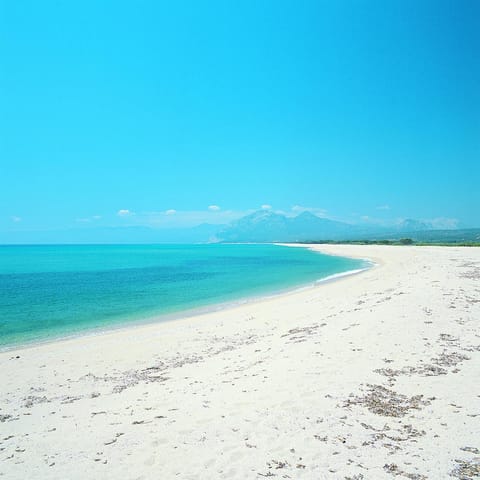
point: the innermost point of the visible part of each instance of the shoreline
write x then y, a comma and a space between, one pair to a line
191, 313
325, 250
368, 377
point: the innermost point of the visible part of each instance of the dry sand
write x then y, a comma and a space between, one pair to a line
374, 376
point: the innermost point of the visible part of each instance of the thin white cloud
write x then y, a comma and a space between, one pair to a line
170, 212
15, 219
266, 206
96, 217
83, 220
124, 213
214, 208
383, 207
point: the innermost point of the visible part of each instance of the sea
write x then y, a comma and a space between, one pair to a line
49, 292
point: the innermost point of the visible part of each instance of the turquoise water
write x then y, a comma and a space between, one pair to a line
55, 291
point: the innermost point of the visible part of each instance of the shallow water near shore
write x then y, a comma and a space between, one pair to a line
48, 292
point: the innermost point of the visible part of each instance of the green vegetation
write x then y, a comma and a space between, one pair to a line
402, 241
467, 237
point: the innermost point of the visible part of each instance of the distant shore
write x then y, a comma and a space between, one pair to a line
371, 377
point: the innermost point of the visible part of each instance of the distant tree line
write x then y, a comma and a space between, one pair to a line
401, 241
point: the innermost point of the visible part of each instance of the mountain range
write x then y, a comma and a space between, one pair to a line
259, 226
267, 226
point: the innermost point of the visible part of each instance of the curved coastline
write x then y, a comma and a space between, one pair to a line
157, 319
323, 249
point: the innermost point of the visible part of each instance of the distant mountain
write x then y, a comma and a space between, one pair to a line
260, 226
307, 224
411, 225
267, 226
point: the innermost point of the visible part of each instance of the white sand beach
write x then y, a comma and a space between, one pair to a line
373, 376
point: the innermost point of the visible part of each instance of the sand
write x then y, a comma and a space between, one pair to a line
373, 376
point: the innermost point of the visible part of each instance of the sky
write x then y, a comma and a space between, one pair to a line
176, 113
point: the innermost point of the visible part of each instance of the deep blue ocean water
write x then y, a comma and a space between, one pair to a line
56, 291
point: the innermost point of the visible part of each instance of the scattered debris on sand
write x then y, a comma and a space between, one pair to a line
386, 402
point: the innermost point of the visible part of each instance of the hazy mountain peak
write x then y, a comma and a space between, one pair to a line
268, 226
410, 224
307, 214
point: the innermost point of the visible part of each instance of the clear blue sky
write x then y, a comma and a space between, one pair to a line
354, 109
